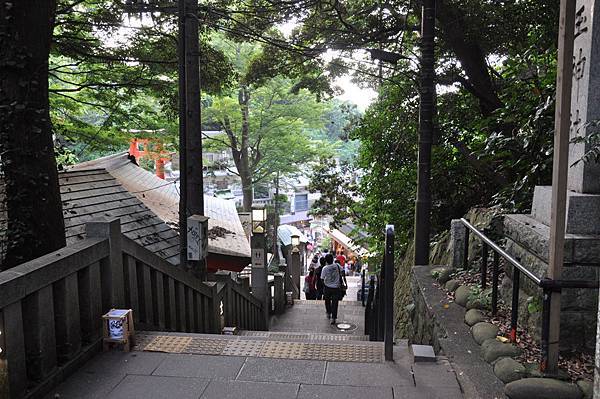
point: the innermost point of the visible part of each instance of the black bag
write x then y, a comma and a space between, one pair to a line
343, 284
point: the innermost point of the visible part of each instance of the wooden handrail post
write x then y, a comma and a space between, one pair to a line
113, 280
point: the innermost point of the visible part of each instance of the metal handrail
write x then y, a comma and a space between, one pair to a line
547, 284
501, 252
379, 310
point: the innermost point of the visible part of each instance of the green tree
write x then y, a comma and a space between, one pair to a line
264, 122
265, 129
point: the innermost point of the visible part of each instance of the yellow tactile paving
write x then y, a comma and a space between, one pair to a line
283, 350
169, 344
206, 346
237, 346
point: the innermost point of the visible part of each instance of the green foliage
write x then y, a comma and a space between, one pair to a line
534, 304
494, 139
266, 123
482, 298
64, 157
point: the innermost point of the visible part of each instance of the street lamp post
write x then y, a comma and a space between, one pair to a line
258, 243
295, 272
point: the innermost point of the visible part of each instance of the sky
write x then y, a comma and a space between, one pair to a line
351, 92
359, 96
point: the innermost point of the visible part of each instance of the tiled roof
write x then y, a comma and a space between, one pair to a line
95, 194
162, 198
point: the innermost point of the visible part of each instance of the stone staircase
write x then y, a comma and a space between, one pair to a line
303, 356
302, 332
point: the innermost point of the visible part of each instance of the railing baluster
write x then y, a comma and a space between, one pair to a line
13, 351
495, 283
146, 290
90, 303
132, 287
189, 306
196, 310
484, 261
546, 302
206, 313
66, 311
380, 306
40, 338
172, 304
180, 290
466, 243
158, 290
514, 311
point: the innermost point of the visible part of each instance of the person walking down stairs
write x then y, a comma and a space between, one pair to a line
310, 284
334, 287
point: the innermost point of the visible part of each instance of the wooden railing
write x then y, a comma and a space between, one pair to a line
165, 297
240, 308
50, 315
51, 308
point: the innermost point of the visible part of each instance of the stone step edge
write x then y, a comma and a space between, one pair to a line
146, 334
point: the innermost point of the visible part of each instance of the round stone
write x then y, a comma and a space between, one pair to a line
461, 295
482, 331
509, 370
452, 285
587, 387
474, 316
492, 349
542, 388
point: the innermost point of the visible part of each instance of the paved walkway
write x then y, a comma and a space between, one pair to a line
302, 357
162, 375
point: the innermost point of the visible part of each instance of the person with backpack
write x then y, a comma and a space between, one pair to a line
335, 285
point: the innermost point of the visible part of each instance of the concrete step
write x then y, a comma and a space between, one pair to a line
303, 336
321, 303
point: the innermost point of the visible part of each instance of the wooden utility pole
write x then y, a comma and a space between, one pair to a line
560, 169
426, 126
194, 193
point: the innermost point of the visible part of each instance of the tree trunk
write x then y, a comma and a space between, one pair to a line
33, 203
244, 166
